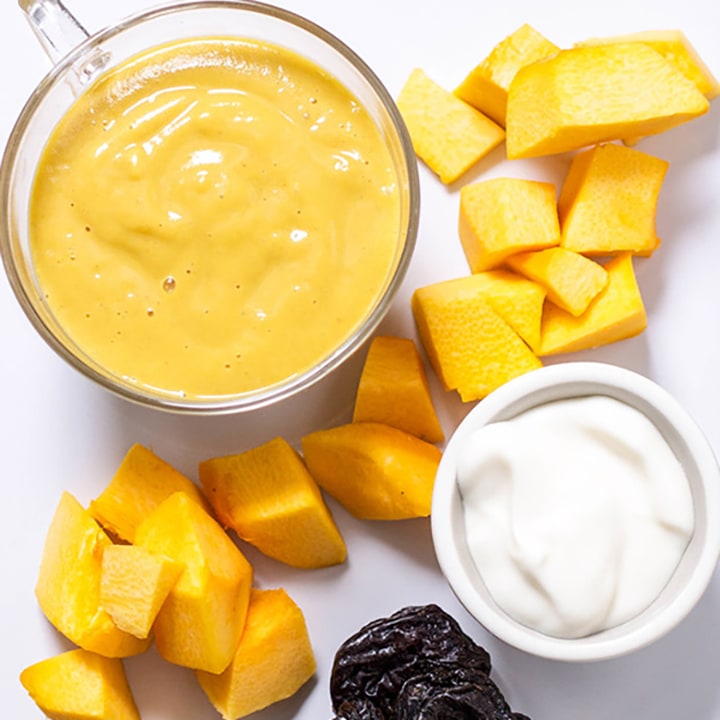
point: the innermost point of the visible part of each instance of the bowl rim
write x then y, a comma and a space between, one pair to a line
543, 385
250, 400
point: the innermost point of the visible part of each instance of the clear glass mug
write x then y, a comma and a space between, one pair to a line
79, 58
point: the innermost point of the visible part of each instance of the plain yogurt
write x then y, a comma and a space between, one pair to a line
577, 512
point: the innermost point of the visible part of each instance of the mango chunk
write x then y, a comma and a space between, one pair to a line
615, 314
139, 485
486, 86
273, 660
608, 202
375, 471
449, 135
589, 95
133, 586
516, 299
675, 47
68, 585
80, 685
571, 280
394, 389
269, 498
471, 348
200, 623
504, 216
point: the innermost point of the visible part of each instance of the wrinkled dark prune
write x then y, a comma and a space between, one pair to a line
374, 663
415, 665
444, 696
358, 710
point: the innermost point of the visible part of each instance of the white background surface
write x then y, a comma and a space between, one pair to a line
60, 432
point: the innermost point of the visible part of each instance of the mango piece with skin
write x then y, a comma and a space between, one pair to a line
588, 95
274, 658
449, 135
571, 280
375, 471
503, 216
267, 495
134, 583
675, 47
80, 685
486, 86
616, 313
139, 485
68, 584
608, 202
471, 347
201, 621
394, 389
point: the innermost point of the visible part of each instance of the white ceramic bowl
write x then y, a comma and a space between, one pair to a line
697, 565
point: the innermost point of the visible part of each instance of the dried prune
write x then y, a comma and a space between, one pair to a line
358, 710
444, 696
417, 664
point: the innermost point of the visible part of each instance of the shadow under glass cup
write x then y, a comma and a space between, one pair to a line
57, 30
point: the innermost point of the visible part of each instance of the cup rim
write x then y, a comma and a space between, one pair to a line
263, 397
556, 382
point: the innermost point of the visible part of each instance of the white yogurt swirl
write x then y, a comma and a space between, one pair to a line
577, 512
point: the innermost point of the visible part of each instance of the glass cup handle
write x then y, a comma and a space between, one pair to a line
59, 32
55, 26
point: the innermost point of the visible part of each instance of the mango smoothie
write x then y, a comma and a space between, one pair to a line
213, 217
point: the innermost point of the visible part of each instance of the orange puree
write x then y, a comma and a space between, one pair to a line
213, 217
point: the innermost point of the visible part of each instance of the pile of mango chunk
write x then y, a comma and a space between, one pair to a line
551, 268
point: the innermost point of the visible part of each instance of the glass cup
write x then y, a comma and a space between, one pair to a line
79, 58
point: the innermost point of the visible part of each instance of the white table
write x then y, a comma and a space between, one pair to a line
61, 432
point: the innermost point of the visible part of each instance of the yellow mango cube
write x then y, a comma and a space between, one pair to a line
449, 135
80, 685
68, 584
201, 620
504, 216
134, 583
471, 347
139, 485
516, 299
269, 498
394, 389
486, 86
589, 95
274, 658
571, 280
675, 47
615, 314
375, 471
608, 202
